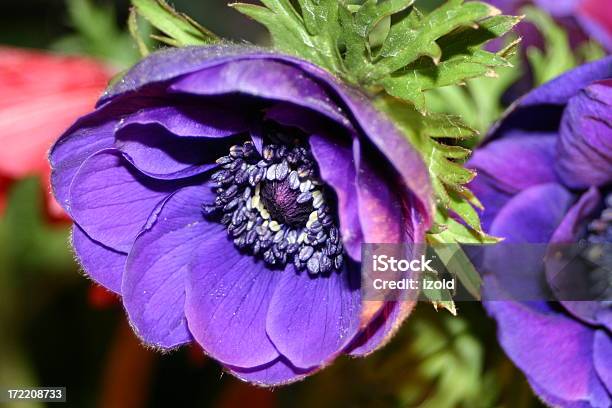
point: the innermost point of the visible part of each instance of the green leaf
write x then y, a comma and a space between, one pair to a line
558, 57
440, 298
455, 231
444, 162
479, 102
406, 44
96, 34
312, 35
178, 29
459, 265
462, 60
468, 39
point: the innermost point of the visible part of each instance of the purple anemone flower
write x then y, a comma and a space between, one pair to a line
545, 176
224, 192
580, 18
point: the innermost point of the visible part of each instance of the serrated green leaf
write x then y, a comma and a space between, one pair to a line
406, 46
558, 57
458, 264
312, 35
372, 12
447, 126
458, 232
97, 34
467, 39
448, 176
358, 27
426, 75
406, 87
448, 171
457, 153
479, 102
179, 29
449, 305
440, 298
464, 209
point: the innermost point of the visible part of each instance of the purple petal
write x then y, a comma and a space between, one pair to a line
530, 217
567, 286
602, 357
558, 8
337, 168
379, 203
265, 78
541, 109
71, 150
308, 121
156, 270
277, 372
381, 329
311, 319
177, 142
492, 197
102, 264
517, 162
90, 134
604, 316
206, 119
111, 201
570, 228
533, 215
554, 401
228, 294
174, 62
585, 146
409, 165
561, 89
554, 351
159, 154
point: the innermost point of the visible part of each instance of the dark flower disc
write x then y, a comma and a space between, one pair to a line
274, 206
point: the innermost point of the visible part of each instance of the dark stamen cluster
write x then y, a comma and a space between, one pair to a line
599, 237
273, 205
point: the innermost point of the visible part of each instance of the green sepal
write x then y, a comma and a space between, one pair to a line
312, 35
439, 298
558, 56
409, 41
178, 29
445, 164
458, 264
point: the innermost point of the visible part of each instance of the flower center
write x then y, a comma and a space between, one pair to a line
282, 203
274, 207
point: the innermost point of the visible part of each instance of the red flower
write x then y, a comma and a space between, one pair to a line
41, 95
